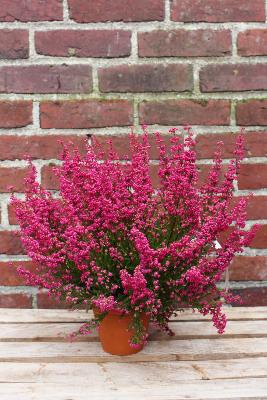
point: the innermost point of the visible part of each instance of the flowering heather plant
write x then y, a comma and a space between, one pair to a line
113, 242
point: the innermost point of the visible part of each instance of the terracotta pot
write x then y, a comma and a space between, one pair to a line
114, 333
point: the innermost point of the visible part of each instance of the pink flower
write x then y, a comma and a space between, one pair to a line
111, 239
105, 303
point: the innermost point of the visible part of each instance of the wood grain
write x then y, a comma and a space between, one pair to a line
58, 332
254, 388
38, 363
196, 349
142, 374
41, 315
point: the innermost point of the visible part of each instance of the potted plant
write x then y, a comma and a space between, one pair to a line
133, 250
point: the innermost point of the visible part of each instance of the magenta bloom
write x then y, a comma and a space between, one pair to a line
113, 240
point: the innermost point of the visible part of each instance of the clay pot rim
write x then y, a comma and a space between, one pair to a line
118, 312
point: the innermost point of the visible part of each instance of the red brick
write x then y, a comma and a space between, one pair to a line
252, 112
89, 43
252, 176
15, 114
260, 240
117, 10
252, 42
14, 44
46, 79
10, 243
184, 43
246, 268
233, 77
146, 78
224, 235
15, 300
180, 112
255, 296
203, 173
255, 144
43, 147
31, 10
121, 144
12, 219
218, 10
45, 301
153, 170
256, 208
49, 179
86, 114
9, 275
12, 177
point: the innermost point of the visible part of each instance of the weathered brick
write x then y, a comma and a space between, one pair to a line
233, 77
246, 268
252, 296
86, 114
252, 176
12, 219
14, 43
46, 301
44, 147
184, 43
121, 144
15, 114
255, 144
252, 42
48, 178
224, 235
12, 177
9, 275
153, 171
31, 10
10, 243
146, 78
203, 173
117, 10
46, 79
257, 207
84, 43
180, 112
218, 10
252, 112
260, 240
15, 300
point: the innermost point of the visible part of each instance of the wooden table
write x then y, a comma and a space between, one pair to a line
37, 363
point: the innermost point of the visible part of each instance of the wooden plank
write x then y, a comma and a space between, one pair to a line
202, 329
232, 313
42, 332
145, 374
183, 330
32, 316
39, 316
233, 389
197, 349
140, 374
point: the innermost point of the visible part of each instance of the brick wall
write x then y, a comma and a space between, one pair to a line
73, 68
